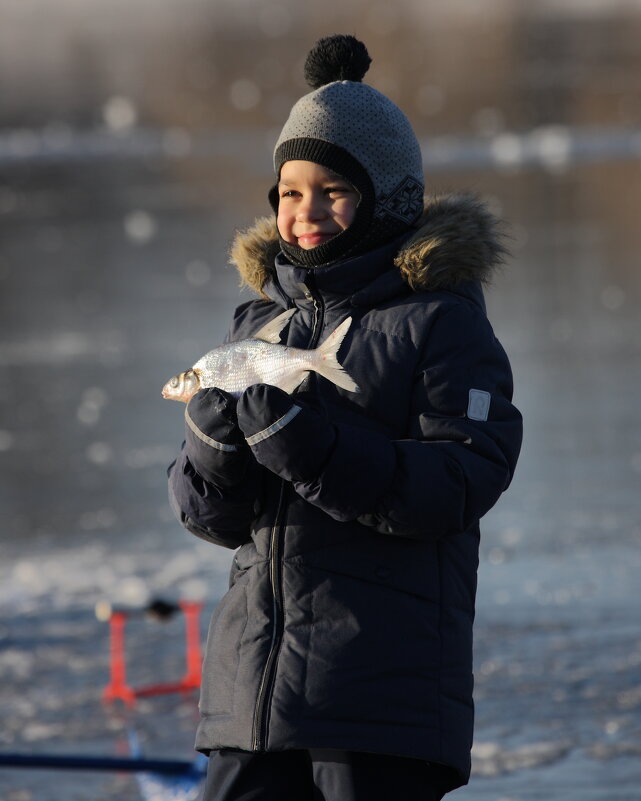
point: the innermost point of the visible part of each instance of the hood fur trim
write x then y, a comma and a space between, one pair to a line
253, 252
456, 240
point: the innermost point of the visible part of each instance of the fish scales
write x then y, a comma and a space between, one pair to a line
235, 367
262, 360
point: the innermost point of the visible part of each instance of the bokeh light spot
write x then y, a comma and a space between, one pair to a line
140, 227
198, 273
99, 453
507, 150
244, 94
119, 114
553, 146
6, 440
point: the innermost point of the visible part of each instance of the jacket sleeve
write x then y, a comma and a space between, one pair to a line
212, 486
219, 515
462, 444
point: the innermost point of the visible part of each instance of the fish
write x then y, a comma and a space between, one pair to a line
261, 359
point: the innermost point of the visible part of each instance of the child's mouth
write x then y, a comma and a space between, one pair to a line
314, 239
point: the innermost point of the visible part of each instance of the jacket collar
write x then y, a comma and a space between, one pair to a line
338, 281
456, 246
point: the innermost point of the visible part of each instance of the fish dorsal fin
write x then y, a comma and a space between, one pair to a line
271, 331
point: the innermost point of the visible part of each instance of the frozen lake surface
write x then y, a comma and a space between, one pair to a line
113, 280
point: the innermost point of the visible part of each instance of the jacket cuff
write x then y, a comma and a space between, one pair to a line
219, 516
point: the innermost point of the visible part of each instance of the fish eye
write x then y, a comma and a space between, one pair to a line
174, 381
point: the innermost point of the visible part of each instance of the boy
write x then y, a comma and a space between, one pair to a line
339, 663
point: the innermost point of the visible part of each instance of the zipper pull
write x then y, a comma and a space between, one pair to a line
306, 291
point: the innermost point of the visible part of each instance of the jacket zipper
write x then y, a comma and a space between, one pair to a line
318, 319
266, 686
261, 713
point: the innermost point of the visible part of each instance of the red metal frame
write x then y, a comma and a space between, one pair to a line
118, 689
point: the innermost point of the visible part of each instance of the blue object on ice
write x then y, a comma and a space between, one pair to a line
165, 767
186, 787
153, 786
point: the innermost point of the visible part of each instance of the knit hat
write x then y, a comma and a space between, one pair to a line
358, 133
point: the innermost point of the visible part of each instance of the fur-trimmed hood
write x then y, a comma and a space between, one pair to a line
457, 240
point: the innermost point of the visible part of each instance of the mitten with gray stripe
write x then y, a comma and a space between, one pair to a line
214, 444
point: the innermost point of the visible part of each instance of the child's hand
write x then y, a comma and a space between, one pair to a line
215, 446
288, 436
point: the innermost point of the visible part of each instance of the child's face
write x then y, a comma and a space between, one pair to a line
314, 204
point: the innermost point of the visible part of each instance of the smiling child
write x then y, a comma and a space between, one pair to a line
339, 662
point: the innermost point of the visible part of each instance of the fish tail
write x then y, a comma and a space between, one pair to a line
326, 362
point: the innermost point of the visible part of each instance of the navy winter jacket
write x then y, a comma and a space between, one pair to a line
348, 620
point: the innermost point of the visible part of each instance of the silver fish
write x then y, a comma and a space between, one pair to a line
262, 360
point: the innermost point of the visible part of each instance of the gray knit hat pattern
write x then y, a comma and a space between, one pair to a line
354, 130
374, 131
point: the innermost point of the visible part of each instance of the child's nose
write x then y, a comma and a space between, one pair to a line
311, 208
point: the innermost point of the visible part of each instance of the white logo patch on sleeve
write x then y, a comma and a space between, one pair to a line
478, 406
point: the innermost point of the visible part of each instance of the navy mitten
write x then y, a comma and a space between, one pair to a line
288, 435
214, 444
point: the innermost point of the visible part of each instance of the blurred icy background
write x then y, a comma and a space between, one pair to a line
134, 137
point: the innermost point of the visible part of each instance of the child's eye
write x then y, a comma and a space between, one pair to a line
288, 193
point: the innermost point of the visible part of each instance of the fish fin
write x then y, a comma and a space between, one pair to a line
271, 331
290, 383
325, 359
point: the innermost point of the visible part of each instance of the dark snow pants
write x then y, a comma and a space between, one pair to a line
320, 775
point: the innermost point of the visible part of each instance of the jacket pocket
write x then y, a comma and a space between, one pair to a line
222, 658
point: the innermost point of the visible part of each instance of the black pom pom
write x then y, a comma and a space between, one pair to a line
336, 58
